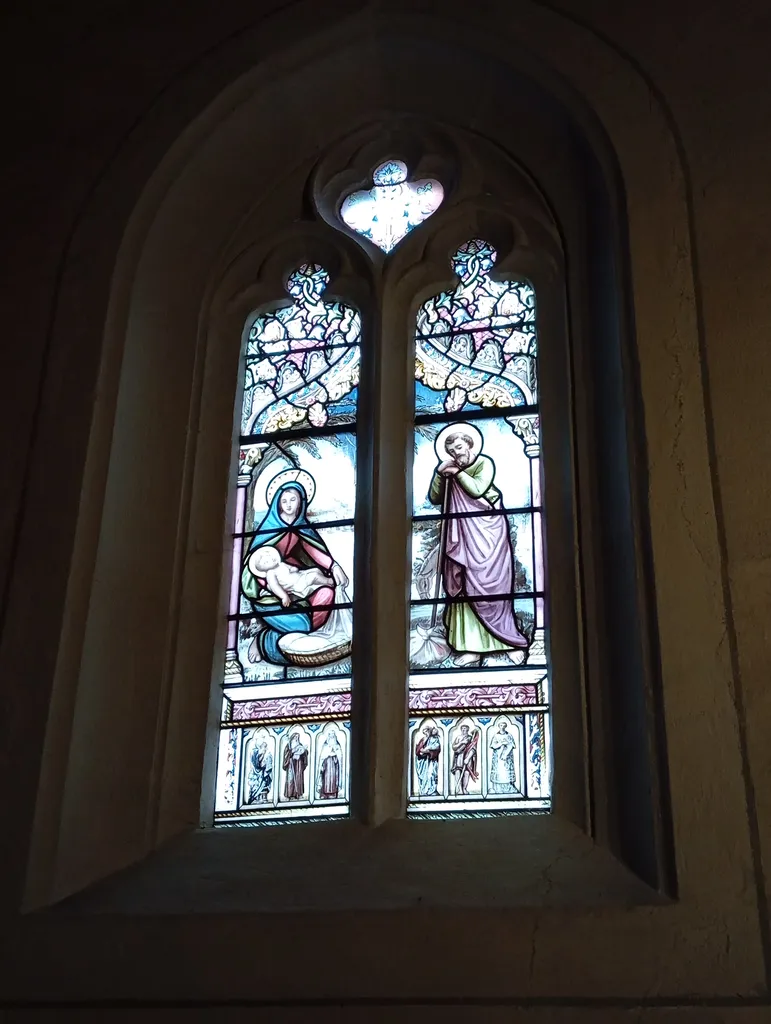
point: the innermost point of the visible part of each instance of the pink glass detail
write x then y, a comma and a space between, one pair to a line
538, 550
292, 707
517, 695
535, 480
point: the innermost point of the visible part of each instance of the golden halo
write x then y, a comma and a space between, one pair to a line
298, 476
458, 428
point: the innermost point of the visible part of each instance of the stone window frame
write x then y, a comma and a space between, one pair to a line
509, 211
562, 870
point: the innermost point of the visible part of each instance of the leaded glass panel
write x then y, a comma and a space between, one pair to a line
389, 210
477, 652
285, 730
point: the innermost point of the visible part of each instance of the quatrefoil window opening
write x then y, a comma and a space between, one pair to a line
387, 212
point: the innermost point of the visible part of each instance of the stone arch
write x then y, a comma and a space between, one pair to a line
129, 257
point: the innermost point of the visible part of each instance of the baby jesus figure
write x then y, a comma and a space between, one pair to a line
285, 581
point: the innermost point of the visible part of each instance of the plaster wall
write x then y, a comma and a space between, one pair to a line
711, 70
85, 79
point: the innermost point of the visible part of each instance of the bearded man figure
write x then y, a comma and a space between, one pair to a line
476, 557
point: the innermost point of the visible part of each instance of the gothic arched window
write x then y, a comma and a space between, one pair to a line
475, 668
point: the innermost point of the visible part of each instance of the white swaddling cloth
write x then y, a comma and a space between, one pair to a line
336, 632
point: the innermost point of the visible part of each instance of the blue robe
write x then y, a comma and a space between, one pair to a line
308, 549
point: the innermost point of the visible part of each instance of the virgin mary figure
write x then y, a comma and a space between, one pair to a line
286, 528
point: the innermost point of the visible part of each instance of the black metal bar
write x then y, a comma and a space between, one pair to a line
476, 670
461, 599
515, 710
318, 346
329, 524
431, 517
288, 611
478, 330
477, 414
296, 435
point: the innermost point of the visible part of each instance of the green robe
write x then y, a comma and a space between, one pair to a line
476, 480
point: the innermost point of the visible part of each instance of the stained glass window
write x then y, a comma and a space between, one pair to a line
478, 684
285, 727
389, 210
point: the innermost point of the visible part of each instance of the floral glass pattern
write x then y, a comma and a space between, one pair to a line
302, 361
285, 726
388, 211
479, 684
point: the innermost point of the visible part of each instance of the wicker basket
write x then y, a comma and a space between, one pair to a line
322, 658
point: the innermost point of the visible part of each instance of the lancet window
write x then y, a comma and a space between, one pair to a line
478, 685
285, 737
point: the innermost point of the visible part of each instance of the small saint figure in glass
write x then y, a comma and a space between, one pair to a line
294, 764
330, 767
260, 776
427, 751
465, 749
503, 767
